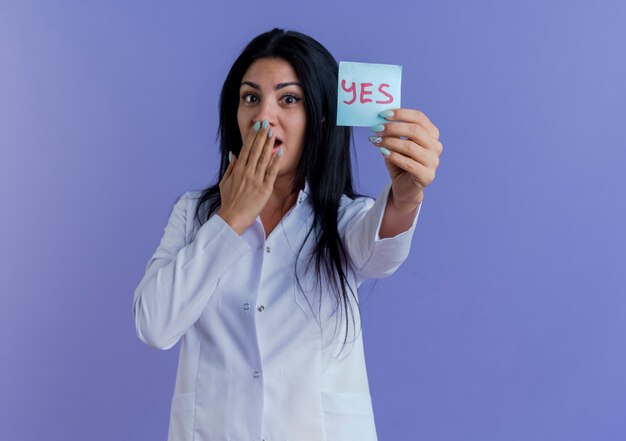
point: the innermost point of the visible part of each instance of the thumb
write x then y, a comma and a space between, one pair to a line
394, 170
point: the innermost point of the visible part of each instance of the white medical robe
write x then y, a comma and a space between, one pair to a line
258, 359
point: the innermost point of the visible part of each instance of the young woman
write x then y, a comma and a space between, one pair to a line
257, 273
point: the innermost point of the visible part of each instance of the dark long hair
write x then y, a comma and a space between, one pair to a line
325, 162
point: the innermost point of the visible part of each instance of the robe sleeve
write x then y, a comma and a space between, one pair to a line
371, 256
180, 279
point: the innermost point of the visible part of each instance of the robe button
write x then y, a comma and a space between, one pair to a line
246, 306
261, 308
268, 249
256, 374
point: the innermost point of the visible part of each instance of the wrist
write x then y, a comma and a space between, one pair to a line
406, 207
236, 225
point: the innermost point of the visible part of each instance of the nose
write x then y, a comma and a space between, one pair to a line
266, 110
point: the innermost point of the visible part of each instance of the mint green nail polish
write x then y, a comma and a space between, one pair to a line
265, 124
384, 151
279, 152
270, 133
257, 126
377, 128
386, 114
230, 156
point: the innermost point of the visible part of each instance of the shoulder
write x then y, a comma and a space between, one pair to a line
185, 204
348, 204
184, 211
191, 198
192, 195
349, 207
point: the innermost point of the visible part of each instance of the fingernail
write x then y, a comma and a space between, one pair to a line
269, 133
376, 139
377, 128
384, 151
230, 156
265, 124
280, 152
257, 126
386, 113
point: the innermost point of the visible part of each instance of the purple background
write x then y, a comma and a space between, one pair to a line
508, 320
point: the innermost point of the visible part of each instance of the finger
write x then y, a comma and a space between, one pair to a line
257, 145
272, 170
417, 117
410, 149
266, 153
229, 169
422, 174
248, 142
414, 132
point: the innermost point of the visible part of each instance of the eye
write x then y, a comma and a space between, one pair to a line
248, 98
291, 99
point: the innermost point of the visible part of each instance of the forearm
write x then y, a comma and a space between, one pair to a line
398, 218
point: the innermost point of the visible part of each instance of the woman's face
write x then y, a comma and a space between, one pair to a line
270, 89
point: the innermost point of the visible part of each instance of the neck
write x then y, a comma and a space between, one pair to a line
283, 196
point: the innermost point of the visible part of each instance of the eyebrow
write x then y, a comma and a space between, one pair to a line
278, 86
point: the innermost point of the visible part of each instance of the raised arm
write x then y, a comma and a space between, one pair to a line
371, 255
378, 238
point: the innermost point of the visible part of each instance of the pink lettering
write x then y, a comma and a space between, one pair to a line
380, 89
352, 89
365, 92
